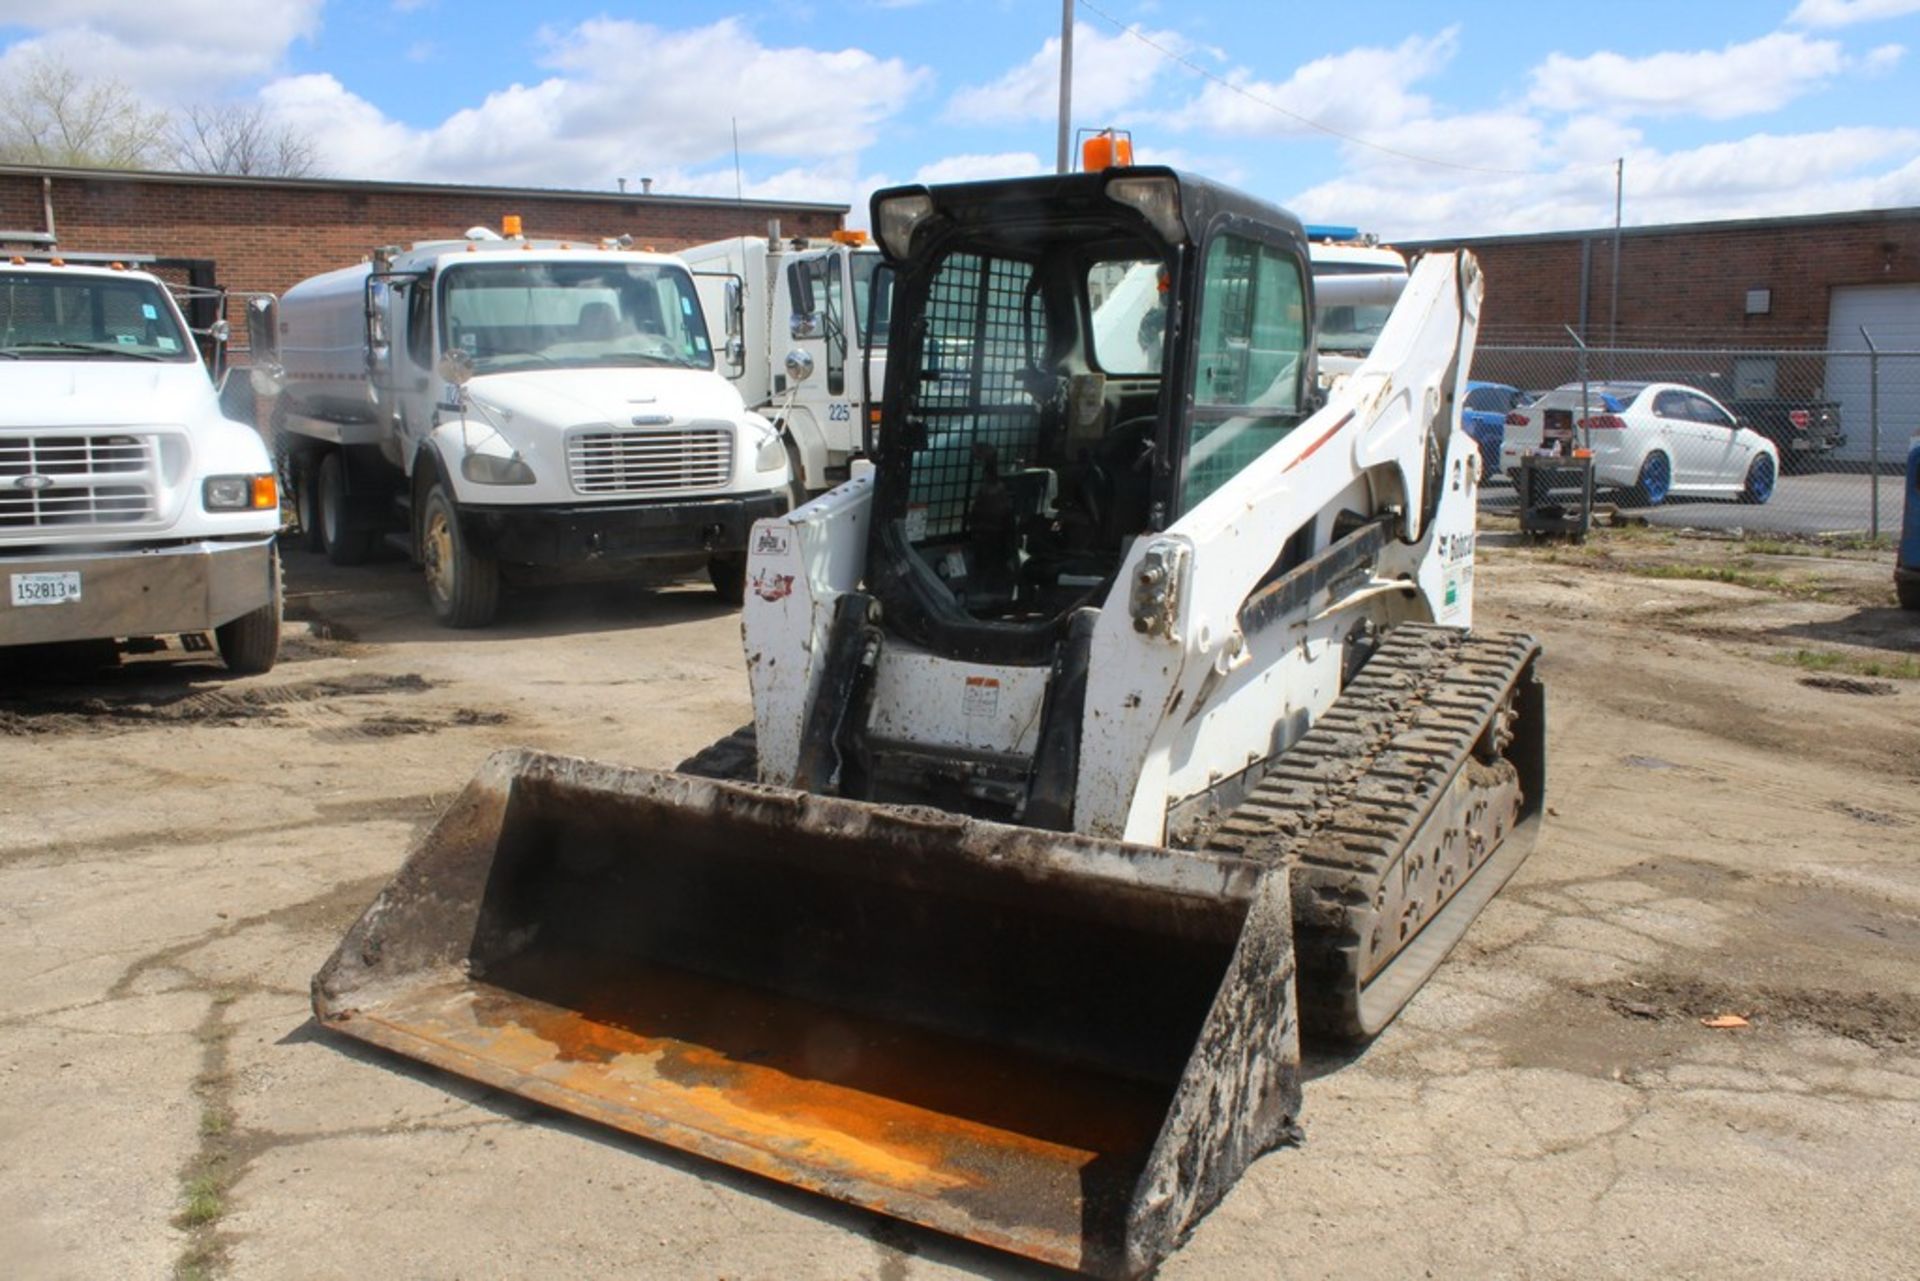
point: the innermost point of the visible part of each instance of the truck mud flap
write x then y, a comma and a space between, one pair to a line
1058, 1046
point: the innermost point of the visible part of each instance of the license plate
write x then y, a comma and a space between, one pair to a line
46, 589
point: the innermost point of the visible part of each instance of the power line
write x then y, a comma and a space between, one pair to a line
1308, 121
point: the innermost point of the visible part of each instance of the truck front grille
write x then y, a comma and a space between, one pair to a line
650, 461
79, 478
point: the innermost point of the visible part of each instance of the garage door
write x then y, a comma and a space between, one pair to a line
1891, 313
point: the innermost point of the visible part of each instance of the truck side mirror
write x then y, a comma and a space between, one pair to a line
799, 366
736, 308
219, 333
800, 286
736, 344
809, 324
263, 345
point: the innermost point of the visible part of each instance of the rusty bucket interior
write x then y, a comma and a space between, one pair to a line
1056, 1046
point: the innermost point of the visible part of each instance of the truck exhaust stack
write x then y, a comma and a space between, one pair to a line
1059, 1046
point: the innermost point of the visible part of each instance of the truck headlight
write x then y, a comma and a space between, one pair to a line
496, 469
240, 493
772, 455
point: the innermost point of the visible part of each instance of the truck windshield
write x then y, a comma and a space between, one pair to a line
45, 317
573, 314
865, 269
1350, 328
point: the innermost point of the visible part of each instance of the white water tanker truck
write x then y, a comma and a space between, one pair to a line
515, 409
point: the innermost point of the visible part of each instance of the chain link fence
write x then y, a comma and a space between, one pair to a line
1841, 422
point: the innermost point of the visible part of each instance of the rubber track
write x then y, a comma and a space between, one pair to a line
1342, 804
733, 759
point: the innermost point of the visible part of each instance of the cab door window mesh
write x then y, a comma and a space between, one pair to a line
984, 326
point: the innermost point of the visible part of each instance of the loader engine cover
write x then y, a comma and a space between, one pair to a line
1061, 1046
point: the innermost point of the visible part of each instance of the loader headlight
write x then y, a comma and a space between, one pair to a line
240, 493
496, 469
1158, 198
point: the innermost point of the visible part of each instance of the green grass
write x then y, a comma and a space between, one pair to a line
1733, 574
204, 1202
1826, 660
1815, 546
215, 1122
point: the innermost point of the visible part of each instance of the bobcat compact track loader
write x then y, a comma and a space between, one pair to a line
1120, 723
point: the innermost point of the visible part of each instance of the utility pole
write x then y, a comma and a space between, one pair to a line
1066, 83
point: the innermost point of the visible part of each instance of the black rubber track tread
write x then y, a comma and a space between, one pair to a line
1342, 803
733, 759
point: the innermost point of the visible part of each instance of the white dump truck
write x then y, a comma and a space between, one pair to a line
130, 507
515, 409
811, 317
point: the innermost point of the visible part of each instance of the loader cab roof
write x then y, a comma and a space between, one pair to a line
1005, 211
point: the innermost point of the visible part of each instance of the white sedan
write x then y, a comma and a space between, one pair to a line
1652, 440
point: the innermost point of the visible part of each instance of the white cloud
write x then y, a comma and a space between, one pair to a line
1111, 72
1360, 92
169, 52
973, 168
1741, 79
1762, 175
1844, 13
1883, 59
618, 104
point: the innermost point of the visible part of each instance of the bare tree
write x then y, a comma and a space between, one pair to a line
52, 115
240, 138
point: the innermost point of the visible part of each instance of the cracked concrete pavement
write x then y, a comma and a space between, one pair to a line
179, 852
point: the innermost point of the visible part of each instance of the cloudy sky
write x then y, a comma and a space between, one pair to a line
1477, 116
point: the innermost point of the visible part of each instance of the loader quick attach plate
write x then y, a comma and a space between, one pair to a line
1058, 1046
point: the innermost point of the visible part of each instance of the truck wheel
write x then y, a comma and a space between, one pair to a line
306, 503
729, 575
1908, 592
250, 644
462, 586
344, 544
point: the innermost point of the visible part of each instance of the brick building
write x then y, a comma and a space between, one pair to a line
1765, 287
267, 233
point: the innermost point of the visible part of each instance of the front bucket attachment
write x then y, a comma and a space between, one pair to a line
1062, 1047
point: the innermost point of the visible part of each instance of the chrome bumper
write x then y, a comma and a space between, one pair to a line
148, 591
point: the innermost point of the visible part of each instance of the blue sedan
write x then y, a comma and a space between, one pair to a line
1485, 418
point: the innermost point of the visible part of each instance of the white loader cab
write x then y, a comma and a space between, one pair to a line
806, 339
130, 507
516, 409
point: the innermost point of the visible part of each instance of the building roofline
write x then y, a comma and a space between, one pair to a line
1903, 213
408, 188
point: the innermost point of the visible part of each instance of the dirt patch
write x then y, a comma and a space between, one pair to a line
102, 713
1848, 684
393, 725
1861, 814
1872, 1018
